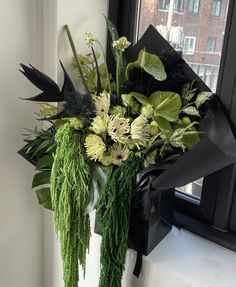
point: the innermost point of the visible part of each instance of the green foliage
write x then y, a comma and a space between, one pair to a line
190, 135
70, 179
40, 147
40, 143
188, 92
114, 213
202, 98
90, 73
118, 55
150, 63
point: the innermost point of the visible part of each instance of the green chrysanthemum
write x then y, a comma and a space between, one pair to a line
99, 125
95, 147
119, 128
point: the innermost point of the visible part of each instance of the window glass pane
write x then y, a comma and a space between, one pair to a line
194, 6
196, 32
211, 42
216, 5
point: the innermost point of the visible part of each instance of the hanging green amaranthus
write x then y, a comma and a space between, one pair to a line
114, 215
69, 191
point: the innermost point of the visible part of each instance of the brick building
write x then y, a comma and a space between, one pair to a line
195, 27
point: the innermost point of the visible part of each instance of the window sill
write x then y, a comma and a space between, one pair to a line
183, 259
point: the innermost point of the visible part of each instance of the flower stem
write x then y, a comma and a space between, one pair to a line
106, 68
76, 56
118, 78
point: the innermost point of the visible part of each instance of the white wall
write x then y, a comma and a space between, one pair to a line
20, 216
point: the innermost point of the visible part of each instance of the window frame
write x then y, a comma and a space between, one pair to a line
215, 8
189, 51
214, 218
181, 10
209, 45
191, 6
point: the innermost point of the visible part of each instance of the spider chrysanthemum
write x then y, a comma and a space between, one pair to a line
118, 128
118, 153
102, 103
95, 147
140, 131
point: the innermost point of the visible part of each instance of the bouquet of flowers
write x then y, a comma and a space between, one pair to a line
105, 133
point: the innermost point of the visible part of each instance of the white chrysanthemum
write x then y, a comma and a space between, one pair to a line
118, 128
140, 131
102, 103
89, 39
118, 153
95, 147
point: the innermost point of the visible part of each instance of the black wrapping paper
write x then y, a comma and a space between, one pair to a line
216, 150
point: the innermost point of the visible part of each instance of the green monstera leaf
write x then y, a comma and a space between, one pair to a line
41, 181
166, 105
150, 63
44, 197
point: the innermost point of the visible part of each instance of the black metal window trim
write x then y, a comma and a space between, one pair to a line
214, 217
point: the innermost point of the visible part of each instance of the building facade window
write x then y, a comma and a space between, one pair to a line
211, 44
216, 5
189, 45
194, 6
178, 5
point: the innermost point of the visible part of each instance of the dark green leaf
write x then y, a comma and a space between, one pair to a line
45, 162
41, 178
44, 197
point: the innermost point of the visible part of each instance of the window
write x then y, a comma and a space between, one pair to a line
216, 5
178, 5
194, 6
189, 45
209, 211
211, 43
